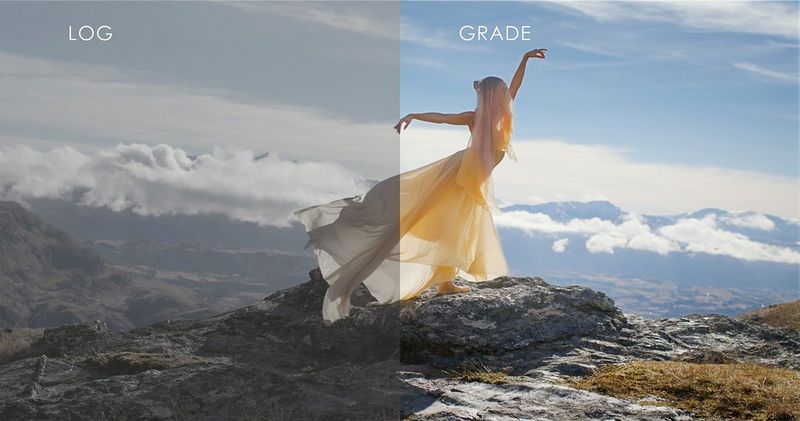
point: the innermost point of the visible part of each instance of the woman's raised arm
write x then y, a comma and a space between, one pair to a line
516, 81
462, 119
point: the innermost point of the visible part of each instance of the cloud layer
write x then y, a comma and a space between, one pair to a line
687, 235
554, 171
159, 180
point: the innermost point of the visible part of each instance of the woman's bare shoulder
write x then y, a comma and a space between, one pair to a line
468, 114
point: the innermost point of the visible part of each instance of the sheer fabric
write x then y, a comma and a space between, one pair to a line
419, 228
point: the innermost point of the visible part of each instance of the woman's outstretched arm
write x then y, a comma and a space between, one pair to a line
517, 80
461, 119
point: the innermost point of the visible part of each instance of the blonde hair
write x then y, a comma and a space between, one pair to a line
501, 99
489, 141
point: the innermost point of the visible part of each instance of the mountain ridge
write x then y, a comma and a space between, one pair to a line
50, 279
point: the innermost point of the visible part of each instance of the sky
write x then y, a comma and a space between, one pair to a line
676, 82
658, 107
197, 76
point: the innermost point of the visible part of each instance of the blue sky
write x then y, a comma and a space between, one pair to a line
673, 85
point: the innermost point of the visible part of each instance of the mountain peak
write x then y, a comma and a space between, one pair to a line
564, 211
29, 248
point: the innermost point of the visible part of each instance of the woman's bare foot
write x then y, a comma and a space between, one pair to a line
450, 288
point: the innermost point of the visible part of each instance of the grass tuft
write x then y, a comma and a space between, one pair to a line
732, 391
476, 372
15, 342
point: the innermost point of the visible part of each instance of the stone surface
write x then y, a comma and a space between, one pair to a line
523, 398
277, 360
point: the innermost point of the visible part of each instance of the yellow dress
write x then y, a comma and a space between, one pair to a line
419, 228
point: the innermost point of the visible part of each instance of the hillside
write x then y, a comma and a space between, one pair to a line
49, 279
786, 315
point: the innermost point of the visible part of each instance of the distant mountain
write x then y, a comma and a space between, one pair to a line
226, 263
31, 250
203, 267
99, 223
565, 211
49, 279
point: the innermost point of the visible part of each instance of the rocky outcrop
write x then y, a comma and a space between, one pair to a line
276, 359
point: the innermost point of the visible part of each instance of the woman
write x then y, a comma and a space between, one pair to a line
421, 228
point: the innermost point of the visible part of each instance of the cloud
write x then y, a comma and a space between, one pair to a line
753, 220
553, 170
593, 49
756, 17
560, 245
633, 234
433, 38
383, 21
603, 236
161, 180
766, 73
374, 21
704, 236
687, 235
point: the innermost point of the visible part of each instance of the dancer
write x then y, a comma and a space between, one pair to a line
423, 227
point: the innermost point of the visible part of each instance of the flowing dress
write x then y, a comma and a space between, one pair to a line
412, 231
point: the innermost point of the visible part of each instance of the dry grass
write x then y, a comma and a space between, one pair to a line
731, 391
785, 315
15, 341
475, 372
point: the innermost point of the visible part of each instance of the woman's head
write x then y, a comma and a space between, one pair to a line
493, 94
489, 82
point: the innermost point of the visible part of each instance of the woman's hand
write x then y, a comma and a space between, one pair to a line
537, 53
516, 81
407, 120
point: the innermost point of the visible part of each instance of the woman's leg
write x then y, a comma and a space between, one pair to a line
447, 286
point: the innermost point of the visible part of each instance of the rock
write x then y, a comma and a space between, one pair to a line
524, 398
506, 322
64, 339
277, 360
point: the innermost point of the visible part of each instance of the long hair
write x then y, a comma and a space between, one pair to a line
490, 139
